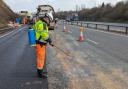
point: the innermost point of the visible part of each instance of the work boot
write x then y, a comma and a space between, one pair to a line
44, 71
39, 73
44, 75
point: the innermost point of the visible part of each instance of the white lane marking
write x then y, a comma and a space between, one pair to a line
6, 34
108, 32
70, 31
76, 43
6, 28
10, 33
93, 41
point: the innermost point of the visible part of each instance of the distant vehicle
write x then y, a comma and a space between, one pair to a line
42, 9
23, 13
68, 18
72, 17
26, 14
75, 17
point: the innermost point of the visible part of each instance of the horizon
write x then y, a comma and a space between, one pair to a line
31, 5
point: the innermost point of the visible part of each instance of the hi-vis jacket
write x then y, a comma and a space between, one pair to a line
41, 31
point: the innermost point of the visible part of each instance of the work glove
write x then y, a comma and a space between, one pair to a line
52, 45
49, 41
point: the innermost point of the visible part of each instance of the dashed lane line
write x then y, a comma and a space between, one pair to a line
94, 42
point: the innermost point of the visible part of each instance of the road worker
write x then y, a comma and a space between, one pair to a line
23, 20
42, 38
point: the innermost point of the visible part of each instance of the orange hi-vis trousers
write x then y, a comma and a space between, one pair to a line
40, 56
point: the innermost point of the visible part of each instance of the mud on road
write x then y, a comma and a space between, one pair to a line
81, 69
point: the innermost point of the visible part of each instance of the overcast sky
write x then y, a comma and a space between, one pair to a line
30, 5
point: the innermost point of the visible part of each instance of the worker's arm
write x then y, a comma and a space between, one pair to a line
49, 41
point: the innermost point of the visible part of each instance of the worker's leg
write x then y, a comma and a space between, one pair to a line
44, 68
40, 58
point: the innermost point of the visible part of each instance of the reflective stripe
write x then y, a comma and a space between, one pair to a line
44, 40
41, 31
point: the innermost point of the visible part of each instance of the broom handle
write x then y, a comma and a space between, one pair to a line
61, 50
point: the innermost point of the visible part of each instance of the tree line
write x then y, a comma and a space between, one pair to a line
104, 12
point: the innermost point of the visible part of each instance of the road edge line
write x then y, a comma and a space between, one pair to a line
9, 33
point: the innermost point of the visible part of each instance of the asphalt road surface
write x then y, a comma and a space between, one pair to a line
17, 63
100, 62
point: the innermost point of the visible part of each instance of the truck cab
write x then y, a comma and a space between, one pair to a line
42, 9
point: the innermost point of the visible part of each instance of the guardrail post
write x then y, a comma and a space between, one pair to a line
108, 28
81, 24
77, 23
87, 25
96, 26
126, 30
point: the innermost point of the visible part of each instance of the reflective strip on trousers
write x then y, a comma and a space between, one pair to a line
40, 56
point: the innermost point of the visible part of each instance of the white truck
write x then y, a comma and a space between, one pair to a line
42, 9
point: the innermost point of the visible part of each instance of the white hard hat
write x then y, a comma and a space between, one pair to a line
50, 16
